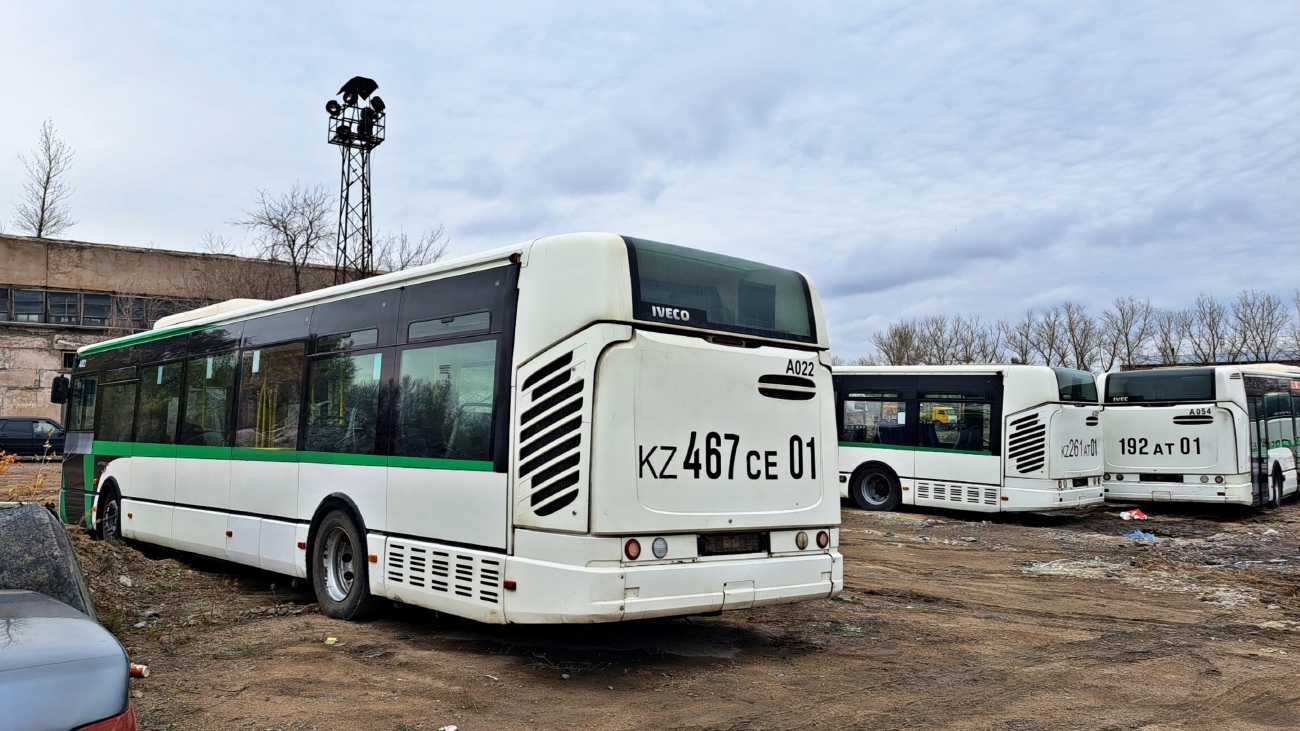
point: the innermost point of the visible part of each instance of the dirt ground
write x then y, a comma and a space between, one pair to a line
947, 621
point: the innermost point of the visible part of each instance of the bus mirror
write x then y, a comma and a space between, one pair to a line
59, 391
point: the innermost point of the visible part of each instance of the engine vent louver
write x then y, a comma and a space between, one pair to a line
787, 388
1027, 444
446, 571
1189, 420
968, 494
1093, 420
550, 442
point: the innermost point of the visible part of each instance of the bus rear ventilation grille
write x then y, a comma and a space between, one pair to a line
788, 388
445, 572
550, 440
1093, 420
1189, 420
1027, 445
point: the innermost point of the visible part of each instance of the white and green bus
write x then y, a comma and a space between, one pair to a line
581, 428
1217, 434
986, 438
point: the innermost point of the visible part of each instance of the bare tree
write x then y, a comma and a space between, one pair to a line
1295, 327
396, 252
1082, 335
1258, 321
1127, 331
900, 344
1209, 331
42, 210
1051, 341
1019, 337
215, 244
296, 228
1169, 330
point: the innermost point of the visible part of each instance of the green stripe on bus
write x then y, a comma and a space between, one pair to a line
433, 463
145, 337
264, 454
906, 448
251, 454
88, 472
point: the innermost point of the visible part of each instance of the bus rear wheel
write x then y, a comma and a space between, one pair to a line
1275, 489
875, 488
340, 568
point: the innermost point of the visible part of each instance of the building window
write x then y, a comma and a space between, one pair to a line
64, 308
29, 305
4, 303
94, 310
70, 360
128, 313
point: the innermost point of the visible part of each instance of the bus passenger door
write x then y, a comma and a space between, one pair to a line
1258, 447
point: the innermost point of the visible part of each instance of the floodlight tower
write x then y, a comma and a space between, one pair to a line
356, 130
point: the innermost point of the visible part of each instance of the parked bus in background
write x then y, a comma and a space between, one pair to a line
1221, 434
980, 437
582, 428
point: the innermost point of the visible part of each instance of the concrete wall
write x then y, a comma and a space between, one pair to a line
31, 355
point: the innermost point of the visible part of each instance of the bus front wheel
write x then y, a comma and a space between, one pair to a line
875, 489
340, 575
110, 516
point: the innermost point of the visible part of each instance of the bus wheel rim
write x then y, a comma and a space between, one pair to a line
110, 521
876, 488
338, 559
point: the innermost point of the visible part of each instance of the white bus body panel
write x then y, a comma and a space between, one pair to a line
1147, 440
461, 506
658, 389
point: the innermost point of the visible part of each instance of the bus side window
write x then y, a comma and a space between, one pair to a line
116, 420
270, 392
445, 401
160, 400
83, 404
957, 425
874, 422
343, 403
209, 394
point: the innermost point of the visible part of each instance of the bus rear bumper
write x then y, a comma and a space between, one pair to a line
552, 593
1231, 493
1020, 499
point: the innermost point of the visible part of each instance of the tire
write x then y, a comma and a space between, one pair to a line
339, 572
36, 554
110, 516
875, 488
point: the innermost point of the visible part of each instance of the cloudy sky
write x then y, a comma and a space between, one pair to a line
913, 158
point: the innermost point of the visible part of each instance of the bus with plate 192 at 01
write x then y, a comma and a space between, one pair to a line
580, 428
986, 438
1218, 434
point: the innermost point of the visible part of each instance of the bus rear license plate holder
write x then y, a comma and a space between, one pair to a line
726, 544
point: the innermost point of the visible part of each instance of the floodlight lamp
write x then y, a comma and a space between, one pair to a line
350, 98
343, 133
333, 108
377, 104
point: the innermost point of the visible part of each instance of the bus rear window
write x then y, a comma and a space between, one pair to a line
680, 286
1075, 385
1196, 384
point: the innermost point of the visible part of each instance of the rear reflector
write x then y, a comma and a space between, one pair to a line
123, 722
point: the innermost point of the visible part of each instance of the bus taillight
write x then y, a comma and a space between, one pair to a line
823, 539
632, 549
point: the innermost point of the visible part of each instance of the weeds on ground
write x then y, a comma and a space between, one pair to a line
31, 489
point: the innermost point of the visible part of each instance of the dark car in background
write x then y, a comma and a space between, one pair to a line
28, 435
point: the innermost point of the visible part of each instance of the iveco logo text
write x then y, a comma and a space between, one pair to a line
670, 313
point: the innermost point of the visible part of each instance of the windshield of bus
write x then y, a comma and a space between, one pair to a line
1075, 385
1192, 384
681, 286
